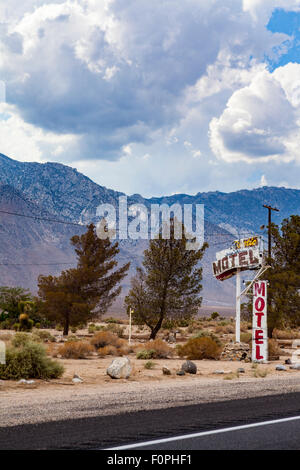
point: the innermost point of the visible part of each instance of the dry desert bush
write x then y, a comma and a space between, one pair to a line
75, 350
225, 329
6, 337
161, 350
107, 351
106, 338
274, 349
246, 338
286, 334
107, 343
200, 348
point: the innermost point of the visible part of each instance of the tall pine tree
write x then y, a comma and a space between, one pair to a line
168, 285
83, 293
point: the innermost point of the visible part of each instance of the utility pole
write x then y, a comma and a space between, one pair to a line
270, 209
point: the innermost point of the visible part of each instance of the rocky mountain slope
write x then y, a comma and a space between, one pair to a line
56, 191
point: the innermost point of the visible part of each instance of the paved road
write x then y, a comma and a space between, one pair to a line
112, 431
280, 434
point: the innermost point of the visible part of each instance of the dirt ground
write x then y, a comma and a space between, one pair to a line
145, 389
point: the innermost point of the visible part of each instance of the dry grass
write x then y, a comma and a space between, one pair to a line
107, 351
226, 329
108, 344
200, 348
286, 334
6, 337
106, 338
260, 373
161, 349
75, 350
273, 348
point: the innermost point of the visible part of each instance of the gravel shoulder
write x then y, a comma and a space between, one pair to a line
55, 401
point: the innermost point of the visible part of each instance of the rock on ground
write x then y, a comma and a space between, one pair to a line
120, 368
166, 370
189, 367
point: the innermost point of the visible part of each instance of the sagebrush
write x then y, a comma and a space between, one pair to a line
29, 361
200, 348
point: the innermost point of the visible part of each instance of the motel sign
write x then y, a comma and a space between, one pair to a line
259, 322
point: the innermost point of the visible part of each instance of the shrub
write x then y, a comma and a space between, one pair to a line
59, 328
161, 349
93, 328
25, 323
215, 315
246, 338
116, 329
74, 329
273, 348
7, 324
5, 336
75, 349
260, 373
112, 320
20, 339
107, 351
146, 354
43, 335
149, 365
285, 334
106, 338
199, 348
207, 334
29, 361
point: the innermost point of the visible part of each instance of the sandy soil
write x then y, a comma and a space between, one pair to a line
146, 389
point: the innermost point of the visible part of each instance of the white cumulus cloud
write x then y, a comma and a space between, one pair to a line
261, 122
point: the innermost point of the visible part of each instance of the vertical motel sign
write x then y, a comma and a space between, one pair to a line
259, 325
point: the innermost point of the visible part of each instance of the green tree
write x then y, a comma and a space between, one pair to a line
169, 283
284, 275
214, 315
10, 299
83, 293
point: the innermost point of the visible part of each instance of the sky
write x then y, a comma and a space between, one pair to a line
154, 97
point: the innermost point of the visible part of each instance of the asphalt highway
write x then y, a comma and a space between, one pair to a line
171, 426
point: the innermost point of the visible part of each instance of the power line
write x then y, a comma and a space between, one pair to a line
37, 264
35, 217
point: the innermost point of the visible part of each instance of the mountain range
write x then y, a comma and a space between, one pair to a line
30, 246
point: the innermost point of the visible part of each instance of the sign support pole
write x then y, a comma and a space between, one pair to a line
238, 308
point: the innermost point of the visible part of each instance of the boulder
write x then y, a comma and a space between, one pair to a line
189, 367
280, 367
180, 372
171, 338
295, 367
241, 370
77, 379
120, 368
166, 370
25, 382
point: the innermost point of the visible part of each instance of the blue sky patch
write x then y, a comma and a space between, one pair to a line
287, 22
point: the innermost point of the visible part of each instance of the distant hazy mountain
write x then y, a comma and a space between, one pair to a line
54, 190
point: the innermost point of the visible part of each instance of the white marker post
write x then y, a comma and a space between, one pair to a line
130, 323
238, 308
